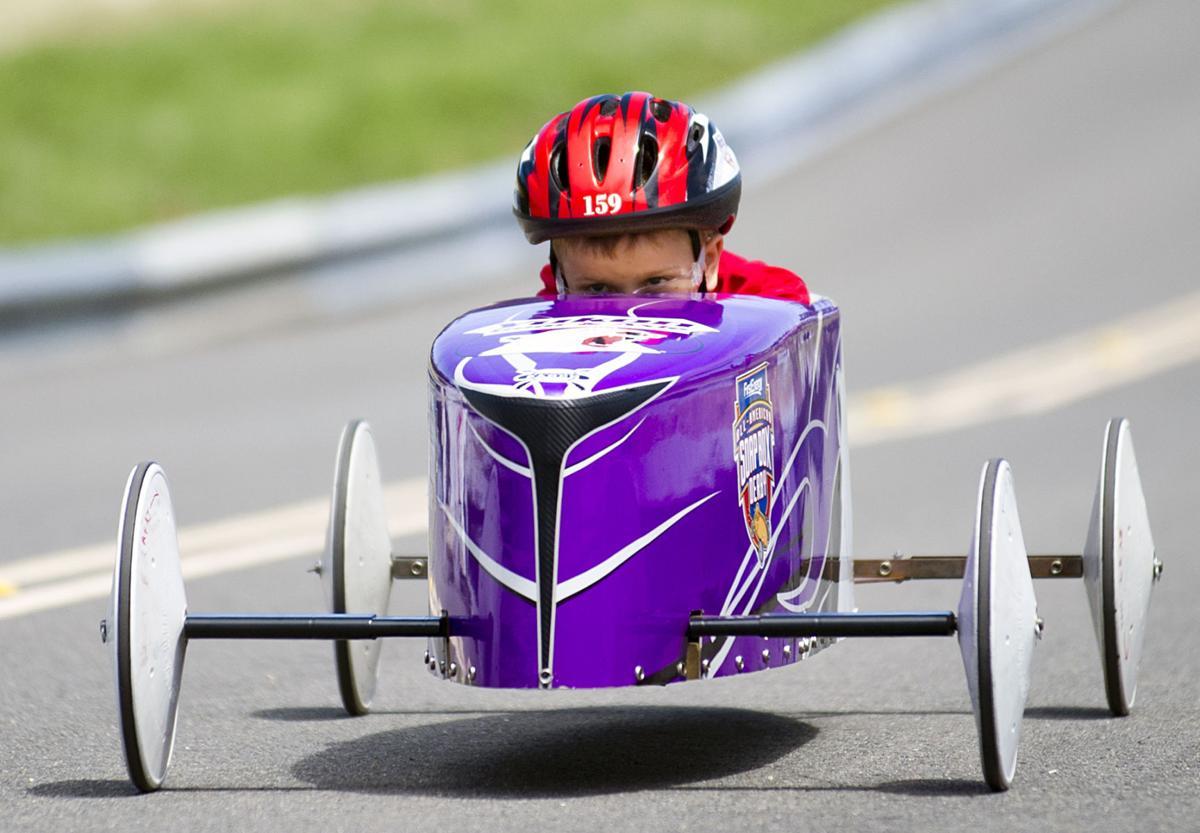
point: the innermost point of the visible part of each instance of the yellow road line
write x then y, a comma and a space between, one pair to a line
63, 578
1035, 379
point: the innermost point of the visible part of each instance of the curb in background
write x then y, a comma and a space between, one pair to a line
772, 119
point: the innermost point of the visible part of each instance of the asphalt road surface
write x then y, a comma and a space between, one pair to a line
1055, 195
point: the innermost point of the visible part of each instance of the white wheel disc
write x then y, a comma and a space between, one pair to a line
997, 624
360, 560
1119, 567
148, 612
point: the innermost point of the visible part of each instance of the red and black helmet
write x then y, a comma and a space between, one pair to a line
626, 163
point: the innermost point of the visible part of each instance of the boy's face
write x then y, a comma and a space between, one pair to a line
658, 262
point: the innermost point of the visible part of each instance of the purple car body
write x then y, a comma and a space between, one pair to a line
604, 468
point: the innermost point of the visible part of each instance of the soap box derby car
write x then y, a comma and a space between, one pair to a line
628, 491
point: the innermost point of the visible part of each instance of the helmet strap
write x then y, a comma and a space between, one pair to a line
560, 283
698, 271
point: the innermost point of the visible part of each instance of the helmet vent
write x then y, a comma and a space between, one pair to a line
601, 150
608, 107
647, 161
694, 137
558, 167
661, 110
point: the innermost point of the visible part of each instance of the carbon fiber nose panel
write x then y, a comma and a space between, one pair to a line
548, 428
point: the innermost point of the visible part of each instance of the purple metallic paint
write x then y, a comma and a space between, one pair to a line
672, 453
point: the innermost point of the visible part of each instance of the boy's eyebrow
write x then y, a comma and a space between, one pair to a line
642, 276
612, 284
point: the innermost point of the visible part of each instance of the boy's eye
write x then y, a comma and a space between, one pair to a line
596, 288
657, 280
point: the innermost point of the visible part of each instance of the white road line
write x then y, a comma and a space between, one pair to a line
1033, 380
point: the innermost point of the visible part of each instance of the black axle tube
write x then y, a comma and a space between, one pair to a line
922, 623
310, 626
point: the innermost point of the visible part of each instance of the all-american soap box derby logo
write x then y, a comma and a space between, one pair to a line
754, 454
620, 339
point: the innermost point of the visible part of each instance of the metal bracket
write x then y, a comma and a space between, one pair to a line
896, 569
906, 568
409, 566
691, 663
444, 662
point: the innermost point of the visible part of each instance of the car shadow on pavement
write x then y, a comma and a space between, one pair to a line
566, 752
1067, 713
918, 787
302, 714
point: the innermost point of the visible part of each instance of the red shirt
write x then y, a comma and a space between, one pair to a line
735, 275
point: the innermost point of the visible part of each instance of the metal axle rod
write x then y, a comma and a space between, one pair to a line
306, 626
922, 623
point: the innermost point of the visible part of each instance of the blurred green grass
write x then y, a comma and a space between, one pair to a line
269, 98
